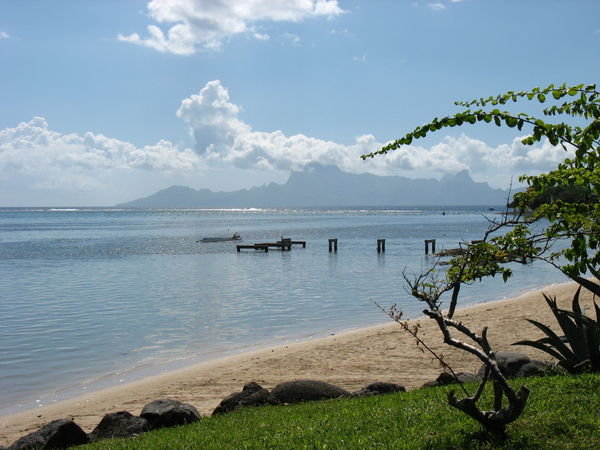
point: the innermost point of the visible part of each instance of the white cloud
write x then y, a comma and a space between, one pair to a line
436, 6
212, 118
360, 59
4, 35
89, 162
261, 37
342, 32
91, 168
207, 24
31, 146
293, 38
221, 136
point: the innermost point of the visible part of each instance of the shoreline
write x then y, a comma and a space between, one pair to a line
350, 359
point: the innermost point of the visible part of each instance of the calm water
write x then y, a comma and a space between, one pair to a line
90, 298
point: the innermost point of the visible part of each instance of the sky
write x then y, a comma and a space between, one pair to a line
103, 102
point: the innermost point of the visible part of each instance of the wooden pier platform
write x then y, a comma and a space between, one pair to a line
450, 252
263, 247
284, 244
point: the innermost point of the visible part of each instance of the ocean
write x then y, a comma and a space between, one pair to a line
93, 297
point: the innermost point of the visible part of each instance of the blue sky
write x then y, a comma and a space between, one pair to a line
106, 101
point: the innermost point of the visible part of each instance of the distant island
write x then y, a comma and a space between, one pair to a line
327, 186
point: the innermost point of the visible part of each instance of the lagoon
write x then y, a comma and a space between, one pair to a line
93, 297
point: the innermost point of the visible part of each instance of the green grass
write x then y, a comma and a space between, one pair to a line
563, 412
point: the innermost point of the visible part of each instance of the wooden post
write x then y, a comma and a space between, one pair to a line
380, 245
427, 241
286, 243
333, 245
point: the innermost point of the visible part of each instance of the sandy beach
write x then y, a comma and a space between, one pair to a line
350, 360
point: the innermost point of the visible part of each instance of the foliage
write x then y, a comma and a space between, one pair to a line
566, 197
416, 419
579, 348
561, 205
565, 194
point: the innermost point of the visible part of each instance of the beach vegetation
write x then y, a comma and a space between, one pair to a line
555, 220
560, 206
562, 413
578, 349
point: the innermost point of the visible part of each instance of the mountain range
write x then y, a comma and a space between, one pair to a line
328, 186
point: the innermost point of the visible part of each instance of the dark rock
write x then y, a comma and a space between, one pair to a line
533, 368
379, 388
169, 413
513, 365
118, 425
307, 390
446, 378
61, 433
252, 394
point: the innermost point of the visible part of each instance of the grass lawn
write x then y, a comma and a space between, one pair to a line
563, 412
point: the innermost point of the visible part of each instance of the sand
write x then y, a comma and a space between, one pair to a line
350, 360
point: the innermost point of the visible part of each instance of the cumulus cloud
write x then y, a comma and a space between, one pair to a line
193, 25
34, 158
52, 160
29, 143
4, 35
221, 136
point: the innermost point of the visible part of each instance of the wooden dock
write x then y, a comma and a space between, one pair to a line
285, 244
263, 247
455, 251
450, 252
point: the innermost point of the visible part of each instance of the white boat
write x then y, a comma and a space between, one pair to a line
234, 237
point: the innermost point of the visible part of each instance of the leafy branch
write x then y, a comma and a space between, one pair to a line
561, 206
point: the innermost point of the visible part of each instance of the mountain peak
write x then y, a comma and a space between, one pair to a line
461, 176
327, 186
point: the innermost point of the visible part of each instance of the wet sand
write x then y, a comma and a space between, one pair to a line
350, 360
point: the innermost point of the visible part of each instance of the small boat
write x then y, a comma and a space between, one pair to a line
234, 237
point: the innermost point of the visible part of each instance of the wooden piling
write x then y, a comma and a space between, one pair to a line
333, 245
427, 242
380, 245
286, 244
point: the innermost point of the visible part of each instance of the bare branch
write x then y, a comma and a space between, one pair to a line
405, 327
